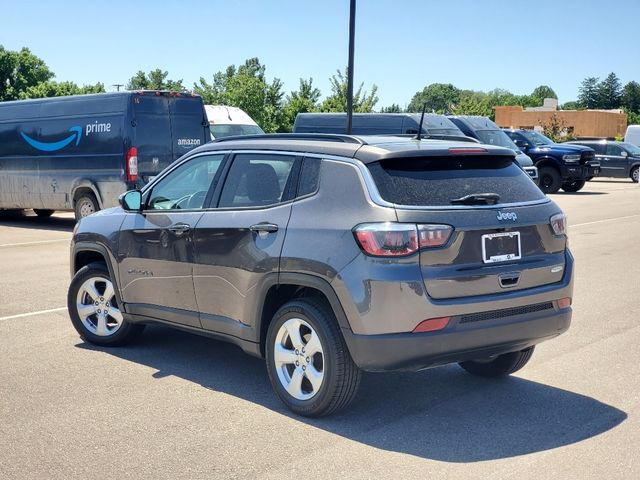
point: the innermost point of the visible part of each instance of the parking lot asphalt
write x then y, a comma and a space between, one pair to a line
176, 405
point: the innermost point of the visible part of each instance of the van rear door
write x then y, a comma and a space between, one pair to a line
151, 134
189, 126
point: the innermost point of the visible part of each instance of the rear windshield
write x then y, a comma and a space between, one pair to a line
438, 181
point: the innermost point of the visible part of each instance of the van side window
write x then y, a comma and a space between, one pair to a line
186, 187
257, 180
309, 176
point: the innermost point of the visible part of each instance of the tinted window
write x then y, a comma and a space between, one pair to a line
256, 180
496, 137
613, 150
436, 181
187, 186
220, 130
309, 176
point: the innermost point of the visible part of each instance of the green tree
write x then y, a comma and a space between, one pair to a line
631, 97
542, 92
473, 103
393, 108
438, 97
246, 87
571, 105
60, 89
305, 99
609, 92
20, 70
363, 102
588, 93
155, 80
555, 129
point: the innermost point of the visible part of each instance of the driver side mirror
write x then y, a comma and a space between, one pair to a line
524, 146
131, 201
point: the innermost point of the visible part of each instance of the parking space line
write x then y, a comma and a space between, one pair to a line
30, 314
35, 242
604, 220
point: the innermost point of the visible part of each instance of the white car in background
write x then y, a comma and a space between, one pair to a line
226, 121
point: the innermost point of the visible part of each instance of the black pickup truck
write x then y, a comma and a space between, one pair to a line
560, 165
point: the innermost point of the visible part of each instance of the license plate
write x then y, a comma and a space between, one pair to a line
501, 247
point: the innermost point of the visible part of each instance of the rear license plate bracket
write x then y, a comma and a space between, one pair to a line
501, 247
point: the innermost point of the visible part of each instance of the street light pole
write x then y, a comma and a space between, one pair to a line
352, 34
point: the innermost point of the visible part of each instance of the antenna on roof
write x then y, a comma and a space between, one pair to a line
419, 135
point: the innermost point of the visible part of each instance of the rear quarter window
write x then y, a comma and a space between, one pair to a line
436, 181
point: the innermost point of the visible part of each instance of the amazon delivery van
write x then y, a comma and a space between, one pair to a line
226, 121
79, 153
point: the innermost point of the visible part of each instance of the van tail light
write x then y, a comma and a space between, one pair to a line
559, 224
432, 325
131, 164
564, 302
399, 239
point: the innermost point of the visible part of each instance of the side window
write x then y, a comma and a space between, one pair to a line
257, 180
309, 176
598, 147
186, 187
614, 150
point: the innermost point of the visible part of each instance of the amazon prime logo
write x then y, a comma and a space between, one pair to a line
507, 216
75, 135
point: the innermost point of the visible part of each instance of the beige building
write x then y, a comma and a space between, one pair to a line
579, 123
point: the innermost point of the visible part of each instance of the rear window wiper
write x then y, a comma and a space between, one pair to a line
476, 199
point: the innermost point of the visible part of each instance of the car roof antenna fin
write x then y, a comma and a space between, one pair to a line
419, 135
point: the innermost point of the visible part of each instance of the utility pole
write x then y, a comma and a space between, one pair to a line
352, 34
118, 85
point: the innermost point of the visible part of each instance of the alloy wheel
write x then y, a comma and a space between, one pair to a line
299, 359
97, 307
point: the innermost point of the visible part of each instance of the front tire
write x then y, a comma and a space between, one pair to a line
43, 213
573, 186
85, 205
94, 309
499, 366
550, 179
308, 362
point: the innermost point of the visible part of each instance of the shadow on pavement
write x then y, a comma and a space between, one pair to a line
441, 414
21, 220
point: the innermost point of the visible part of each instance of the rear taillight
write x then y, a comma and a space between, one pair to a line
559, 224
564, 302
399, 239
131, 164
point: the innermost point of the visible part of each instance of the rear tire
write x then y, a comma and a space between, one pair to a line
43, 212
635, 174
573, 186
550, 179
85, 205
94, 309
501, 365
316, 382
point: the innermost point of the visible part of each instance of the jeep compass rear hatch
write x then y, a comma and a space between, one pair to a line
483, 226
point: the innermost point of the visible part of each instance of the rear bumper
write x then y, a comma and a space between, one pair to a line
457, 342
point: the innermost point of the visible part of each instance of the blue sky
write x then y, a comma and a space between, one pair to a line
401, 46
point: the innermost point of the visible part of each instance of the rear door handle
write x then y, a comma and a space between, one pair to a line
264, 227
180, 228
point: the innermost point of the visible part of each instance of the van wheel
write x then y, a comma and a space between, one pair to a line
308, 362
94, 309
635, 171
550, 180
573, 186
42, 212
86, 204
499, 366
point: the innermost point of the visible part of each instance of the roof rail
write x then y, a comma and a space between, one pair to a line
426, 136
320, 137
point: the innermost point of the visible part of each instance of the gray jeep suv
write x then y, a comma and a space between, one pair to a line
332, 254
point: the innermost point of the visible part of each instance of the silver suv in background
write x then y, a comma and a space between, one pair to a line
332, 254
